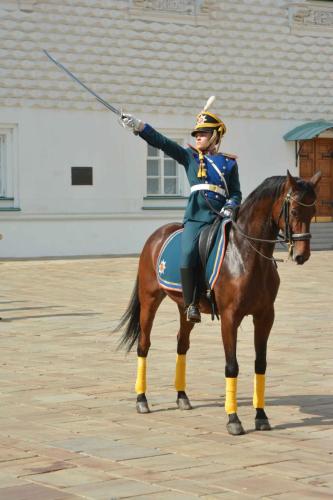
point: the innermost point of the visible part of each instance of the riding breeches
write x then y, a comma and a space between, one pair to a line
190, 243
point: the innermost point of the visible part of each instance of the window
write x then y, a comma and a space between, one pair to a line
164, 177
3, 158
8, 166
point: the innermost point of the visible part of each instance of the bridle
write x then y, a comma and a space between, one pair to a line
288, 237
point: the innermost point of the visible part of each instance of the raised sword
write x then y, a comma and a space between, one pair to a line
83, 85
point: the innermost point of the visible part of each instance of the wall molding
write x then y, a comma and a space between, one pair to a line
181, 11
311, 18
22, 5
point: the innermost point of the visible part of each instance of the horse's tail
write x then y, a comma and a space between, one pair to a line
130, 319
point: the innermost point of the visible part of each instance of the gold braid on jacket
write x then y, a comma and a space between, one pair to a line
202, 172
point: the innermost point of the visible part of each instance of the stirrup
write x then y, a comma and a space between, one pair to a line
193, 314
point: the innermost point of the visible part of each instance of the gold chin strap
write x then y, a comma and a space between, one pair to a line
216, 138
217, 135
213, 139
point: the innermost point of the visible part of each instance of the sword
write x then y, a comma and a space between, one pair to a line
75, 78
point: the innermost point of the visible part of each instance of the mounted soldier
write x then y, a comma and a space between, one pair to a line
215, 188
286, 202
213, 178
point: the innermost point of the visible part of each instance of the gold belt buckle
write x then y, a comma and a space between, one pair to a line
214, 188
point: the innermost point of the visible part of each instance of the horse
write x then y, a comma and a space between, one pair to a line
247, 284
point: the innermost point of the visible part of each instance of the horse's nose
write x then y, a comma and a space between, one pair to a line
299, 259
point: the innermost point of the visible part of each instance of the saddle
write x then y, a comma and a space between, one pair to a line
212, 247
206, 242
207, 239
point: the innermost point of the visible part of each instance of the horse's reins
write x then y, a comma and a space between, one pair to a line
289, 237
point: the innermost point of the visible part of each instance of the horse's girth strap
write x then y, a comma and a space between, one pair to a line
231, 395
180, 378
259, 391
140, 385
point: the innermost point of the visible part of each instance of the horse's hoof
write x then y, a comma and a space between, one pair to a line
184, 404
235, 428
142, 407
262, 424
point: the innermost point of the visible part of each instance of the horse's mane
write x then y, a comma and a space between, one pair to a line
272, 187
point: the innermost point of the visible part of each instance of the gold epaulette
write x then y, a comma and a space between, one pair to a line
229, 155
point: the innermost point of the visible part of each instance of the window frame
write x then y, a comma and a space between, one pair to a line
182, 187
9, 160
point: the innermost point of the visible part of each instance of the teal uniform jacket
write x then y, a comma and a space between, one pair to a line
222, 171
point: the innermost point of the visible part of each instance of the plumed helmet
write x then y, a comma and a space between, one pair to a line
209, 122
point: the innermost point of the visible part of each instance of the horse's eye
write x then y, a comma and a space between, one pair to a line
293, 212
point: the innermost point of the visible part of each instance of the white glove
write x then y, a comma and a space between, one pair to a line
227, 212
131, 123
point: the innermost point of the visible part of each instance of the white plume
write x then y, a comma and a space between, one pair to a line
209, 102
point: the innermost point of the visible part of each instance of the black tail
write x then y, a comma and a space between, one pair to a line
130, 319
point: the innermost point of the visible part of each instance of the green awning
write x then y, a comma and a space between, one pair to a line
307, 131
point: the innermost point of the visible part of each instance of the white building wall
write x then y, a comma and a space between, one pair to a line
108, 218
267, 73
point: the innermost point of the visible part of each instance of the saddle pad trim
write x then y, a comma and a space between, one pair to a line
219, 256
168, 285
214, 262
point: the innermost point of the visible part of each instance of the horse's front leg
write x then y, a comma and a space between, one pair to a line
229, 326
183, 345
263, 323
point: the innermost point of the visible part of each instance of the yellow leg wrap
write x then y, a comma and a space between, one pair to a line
259, 391
180, 378
231, 395
140, 385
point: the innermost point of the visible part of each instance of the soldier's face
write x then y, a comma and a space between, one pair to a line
202, 140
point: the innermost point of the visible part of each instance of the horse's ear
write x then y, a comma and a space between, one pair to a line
291, 181
316, 178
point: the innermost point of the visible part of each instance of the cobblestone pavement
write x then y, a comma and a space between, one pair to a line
68, 426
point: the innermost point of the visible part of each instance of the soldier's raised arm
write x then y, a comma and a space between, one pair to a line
155, 139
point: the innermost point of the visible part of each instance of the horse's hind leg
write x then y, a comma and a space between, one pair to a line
149, 303
183, 345
262, 326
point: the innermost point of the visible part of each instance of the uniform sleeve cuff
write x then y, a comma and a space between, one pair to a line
146, 130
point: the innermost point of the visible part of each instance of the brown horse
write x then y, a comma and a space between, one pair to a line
247, 285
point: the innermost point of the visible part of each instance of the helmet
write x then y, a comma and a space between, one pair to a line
208, 122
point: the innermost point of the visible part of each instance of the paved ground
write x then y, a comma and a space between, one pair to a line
68, 427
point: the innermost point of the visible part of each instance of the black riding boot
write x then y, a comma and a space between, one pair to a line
190, 294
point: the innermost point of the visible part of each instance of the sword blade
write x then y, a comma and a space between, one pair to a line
75, 78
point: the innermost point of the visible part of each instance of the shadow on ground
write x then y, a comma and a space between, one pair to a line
320, 407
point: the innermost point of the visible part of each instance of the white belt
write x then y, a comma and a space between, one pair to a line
208, 187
